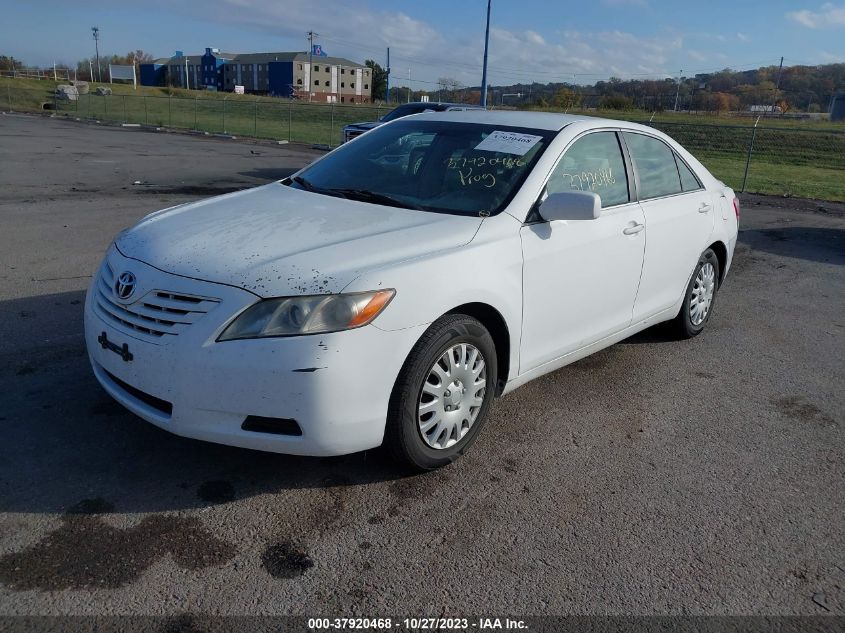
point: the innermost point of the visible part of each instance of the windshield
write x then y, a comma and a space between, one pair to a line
447, 167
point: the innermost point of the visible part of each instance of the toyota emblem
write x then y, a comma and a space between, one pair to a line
125, 285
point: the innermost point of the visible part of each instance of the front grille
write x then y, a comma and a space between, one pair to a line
352, 134
155, 316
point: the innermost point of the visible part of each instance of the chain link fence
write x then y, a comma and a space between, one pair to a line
257, 117
788, 161
776, 160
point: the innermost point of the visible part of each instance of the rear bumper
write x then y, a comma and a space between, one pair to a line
730, 258
336, 386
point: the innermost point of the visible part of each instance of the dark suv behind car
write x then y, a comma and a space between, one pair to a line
356, 129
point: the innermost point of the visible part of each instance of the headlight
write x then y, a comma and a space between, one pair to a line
318, 314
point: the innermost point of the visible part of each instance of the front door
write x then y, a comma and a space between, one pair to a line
580, 278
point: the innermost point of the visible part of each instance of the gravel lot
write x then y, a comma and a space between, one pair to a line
655, 477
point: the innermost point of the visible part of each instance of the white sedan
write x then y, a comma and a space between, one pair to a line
385, 294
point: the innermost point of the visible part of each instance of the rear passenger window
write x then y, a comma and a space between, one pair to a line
593, 163
688, 180
655, 164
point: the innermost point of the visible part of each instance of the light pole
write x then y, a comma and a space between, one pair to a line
311, 35
484, 72
678, 89
96, 31
777, 87
386, 78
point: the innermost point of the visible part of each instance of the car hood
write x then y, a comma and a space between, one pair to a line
278, 241
368, 125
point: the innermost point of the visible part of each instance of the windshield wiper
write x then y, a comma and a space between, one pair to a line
356, 194
305, 184
378, 198
314, 189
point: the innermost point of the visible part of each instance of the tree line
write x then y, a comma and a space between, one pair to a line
794, 88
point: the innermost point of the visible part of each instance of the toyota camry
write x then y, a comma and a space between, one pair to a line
388, 292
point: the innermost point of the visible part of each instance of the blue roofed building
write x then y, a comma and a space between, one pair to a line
285, 74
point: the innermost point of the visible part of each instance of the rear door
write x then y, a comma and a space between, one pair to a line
679, 215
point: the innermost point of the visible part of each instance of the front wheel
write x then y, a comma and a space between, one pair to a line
700, 296
442, 395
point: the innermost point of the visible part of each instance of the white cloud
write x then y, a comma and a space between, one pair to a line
577, 56
355, 31
535, 38
742, 37
829, 15
831, 58
340, 24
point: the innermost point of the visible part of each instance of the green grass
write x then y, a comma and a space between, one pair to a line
732, 119
799, 181
791, 157
239, 115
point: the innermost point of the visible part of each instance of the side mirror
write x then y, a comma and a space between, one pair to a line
571, 205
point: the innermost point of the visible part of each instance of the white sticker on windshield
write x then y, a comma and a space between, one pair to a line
508, 142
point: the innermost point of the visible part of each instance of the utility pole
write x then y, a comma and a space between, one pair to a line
187, 79
311, 35
409, 85
387, 79
678, 90
777, 86
484, 72
96, 31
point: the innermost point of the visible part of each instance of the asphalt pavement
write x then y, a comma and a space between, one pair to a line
655, 477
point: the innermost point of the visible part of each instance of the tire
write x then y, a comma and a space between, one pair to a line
417, 440
696, 310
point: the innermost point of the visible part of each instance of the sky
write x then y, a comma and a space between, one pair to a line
530, 40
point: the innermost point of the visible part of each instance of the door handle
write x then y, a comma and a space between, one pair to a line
633, 230
704, 208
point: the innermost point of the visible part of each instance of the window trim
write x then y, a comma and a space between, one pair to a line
626, 161
701, 186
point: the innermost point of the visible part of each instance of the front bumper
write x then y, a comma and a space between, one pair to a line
336, 386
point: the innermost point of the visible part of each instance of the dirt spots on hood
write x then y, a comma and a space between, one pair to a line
85, 552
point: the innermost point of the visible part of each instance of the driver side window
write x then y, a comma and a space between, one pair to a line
593, 163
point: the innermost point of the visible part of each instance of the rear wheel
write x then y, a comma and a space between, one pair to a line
442, 395
700, 296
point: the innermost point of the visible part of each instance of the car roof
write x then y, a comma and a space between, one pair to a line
537, 120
